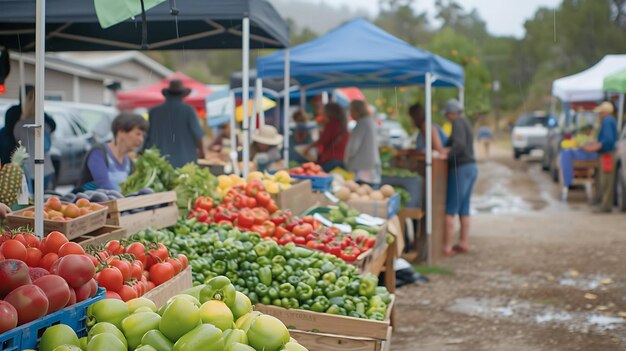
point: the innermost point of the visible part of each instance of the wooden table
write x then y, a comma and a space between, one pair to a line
416, 162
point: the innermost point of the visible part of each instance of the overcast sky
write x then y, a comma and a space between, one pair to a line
503, 17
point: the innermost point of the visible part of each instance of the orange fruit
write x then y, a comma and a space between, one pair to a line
71, 211
83, 203
54, 203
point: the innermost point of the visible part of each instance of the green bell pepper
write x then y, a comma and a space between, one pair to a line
342, 281
368, 285
273, 293
287, 290
293, 279
263, 248
179, 317
279, 260
320, 304
108, 310
333, 309
304, 291
232, 336
105, 342
219, 267
136, 325
263, 261
265, 275
318, 292
330, 277
308, 279
204, 337
384, 294
277, 270
376, 316
105, 327
265, 300
261, 289
157, 340
352, 288
334, 291
218, 288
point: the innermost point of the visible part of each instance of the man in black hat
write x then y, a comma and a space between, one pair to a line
174, 127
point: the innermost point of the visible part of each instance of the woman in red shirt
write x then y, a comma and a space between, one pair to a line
331, 145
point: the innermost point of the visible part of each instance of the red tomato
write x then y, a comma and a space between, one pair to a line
156, 255
245, 219
13, 249
297, 171
8, 316
302, 230
48, 260
280, 231
76, 270
125, 267
161, 272
176, 264
258, 228
31, 240
113, 295
72, 298
30, 302
57, 291
136, 270
260, 215
299, 240
150, 285
36, 273
85, 291
93, 259
114, 247
1, 257
271, 207
204, 202
263, 198
127, 293
13, 273
110, 278
70, 248
33, 256
254, 187
54, 241
138, 250
139, 287
183, 260
308, 219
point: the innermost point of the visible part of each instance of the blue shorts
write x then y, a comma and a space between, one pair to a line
460, 185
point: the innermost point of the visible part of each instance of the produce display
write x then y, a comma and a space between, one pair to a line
54, 209
191, 182
128, 271
102, 195
250, 207
41, 277
308, 169
151, 171
288, 276
11, 176
215, 318
398, 172
350, 190
273, 183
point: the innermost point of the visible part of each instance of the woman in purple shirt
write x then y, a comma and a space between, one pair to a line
108, 165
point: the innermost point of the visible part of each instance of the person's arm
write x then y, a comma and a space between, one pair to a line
4, 211
325, 138
458, 139
355, 141
98, 169
437, 145
196, 131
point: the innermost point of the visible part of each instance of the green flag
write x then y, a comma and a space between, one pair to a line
111, 12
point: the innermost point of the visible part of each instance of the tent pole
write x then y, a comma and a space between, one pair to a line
462, 96
22, 79
259, 102
254, 117
286, 106
246, 92
40, 51
324, 97
429, 175
303, 99
620, 112
233, 132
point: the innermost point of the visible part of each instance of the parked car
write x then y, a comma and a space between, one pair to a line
564, 131
529, 133
620, 179
79, 126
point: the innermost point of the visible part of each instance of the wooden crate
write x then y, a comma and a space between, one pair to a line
386, 208
162, 293
101, 236
72, 228
328, 332
298, 199
121, 212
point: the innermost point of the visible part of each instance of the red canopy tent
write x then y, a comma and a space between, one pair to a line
151, 95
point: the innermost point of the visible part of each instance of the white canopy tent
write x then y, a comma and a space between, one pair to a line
588, 84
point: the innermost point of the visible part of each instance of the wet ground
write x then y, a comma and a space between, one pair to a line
541, 274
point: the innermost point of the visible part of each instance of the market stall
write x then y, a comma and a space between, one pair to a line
616, 84
383, 61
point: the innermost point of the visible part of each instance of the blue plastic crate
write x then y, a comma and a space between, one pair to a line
27, 336
318, 183
393, 205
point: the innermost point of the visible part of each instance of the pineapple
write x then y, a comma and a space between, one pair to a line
11, 177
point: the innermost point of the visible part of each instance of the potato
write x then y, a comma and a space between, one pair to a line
377, 195
352, 185
387, 190
343, 193
362, 191
367, 188
354, 196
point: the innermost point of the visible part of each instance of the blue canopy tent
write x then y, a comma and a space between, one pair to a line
360, 54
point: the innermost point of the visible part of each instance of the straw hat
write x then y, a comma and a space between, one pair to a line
267, 135
452, 106
176, 88
605, 107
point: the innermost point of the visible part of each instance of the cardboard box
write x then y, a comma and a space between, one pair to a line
298, 199
328, 332
72, 228
101, 236
378, 208
135, 213
182, 281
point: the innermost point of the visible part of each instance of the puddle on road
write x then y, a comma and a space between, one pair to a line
537, 314
498, 199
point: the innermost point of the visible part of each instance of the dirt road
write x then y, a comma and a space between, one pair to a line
542, 275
